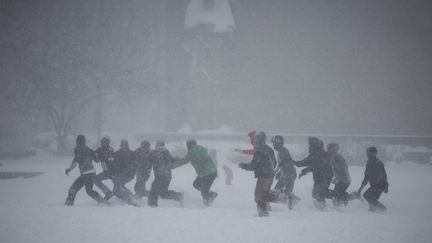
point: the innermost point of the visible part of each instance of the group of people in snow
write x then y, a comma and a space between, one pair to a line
122, 166
327, 167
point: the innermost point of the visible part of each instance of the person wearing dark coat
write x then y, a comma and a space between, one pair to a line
143, 169
263, 164
286, 171
342, 178
161, 161
318, 163
375, 174
124, 172
105, 155
83, 157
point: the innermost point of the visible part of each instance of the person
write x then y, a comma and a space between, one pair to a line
263, 164
83, 157
143, 169
105, 155
229, 175
205, 169
375, 174
318, 163
286, 171
124, 172
252, 139
342, 178
160, 159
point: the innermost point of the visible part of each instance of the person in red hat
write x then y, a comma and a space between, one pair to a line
252, 137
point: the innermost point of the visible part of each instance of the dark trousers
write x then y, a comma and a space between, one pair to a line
262, 194
121, 191
203, 184
340, 194
286, 183
160, 188
84, 180
321, 191
372, 195
98, 182
142, 176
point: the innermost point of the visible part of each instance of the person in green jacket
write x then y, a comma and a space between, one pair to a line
205, 168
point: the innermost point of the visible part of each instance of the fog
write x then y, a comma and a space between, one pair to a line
315, 67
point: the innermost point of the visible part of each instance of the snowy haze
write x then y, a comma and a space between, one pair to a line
327, 67
214, 69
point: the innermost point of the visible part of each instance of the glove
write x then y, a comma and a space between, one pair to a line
67, 171
302, 173
241, 165
386, 189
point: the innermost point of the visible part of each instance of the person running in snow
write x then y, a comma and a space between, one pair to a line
105, 155
375, 174
342, 179
286, 172
252, 138
83, 157
160, 159
318, 163
263, 164
205, 168
143, 169
124, 172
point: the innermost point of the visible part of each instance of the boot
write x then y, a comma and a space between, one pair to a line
320, 205
292, 200
262, 210
108, 196
354, 195
152, 200
380, 207
209, 200
70, 200
181, 198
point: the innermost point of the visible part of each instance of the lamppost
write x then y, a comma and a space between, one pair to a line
207, 20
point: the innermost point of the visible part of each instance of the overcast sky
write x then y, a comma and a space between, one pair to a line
330, 66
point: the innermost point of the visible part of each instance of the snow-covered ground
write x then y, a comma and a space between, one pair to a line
32, 210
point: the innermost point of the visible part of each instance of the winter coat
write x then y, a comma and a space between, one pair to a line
375, 173
141, 154
106, 157
161, 161
340, 168
318, 162
124, 164
263, 162
83, 156
285, 162
199, 158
